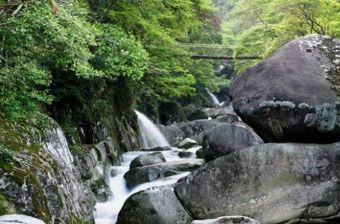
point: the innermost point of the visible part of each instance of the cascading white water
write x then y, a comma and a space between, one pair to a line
107, 212
213, 98
151, 135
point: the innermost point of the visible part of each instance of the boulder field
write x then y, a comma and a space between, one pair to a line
290, 100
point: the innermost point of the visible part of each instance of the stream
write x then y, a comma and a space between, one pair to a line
107, 212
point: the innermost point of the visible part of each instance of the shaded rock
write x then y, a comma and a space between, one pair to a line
200, 153
196, 129
171, 112
185, 154
197, 115
223, 109
153, 206
187, 143
172, 133
228, 118
176, 133
147, 159
292, 96
273, 183
94, 162
157, 149
145, 174
226, 139
228, 220
19, 219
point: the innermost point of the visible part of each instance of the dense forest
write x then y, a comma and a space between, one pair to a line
140, 42
132, 40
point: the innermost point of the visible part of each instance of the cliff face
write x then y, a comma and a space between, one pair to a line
38, 177
57, 177
91, 111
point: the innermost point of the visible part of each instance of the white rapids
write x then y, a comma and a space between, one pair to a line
107, 212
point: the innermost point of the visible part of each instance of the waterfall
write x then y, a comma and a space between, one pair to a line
213, 98
151, 135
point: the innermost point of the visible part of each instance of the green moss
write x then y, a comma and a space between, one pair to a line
38, 198
76, 220
4, 206
97, 185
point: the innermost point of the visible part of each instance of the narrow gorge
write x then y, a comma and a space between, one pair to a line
169, 112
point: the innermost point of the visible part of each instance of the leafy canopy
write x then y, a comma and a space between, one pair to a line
37, 44
259, 27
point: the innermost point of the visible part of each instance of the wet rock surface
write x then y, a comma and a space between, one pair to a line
187, 143
153, 206
145, 174
147, 159
292, 96
273, 183
228, 138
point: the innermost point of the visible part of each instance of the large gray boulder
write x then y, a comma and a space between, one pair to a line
272, 183
147, 159
292, 96
149, 173
227, 220
228, 138
153, 206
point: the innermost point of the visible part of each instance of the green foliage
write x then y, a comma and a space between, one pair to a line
160, 25
4, 206
117, 54
22, 88
6, 155
259, 27
37, 45
135, 40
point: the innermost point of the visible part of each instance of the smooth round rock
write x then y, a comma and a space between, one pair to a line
157, 205
228, 138
147, 159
